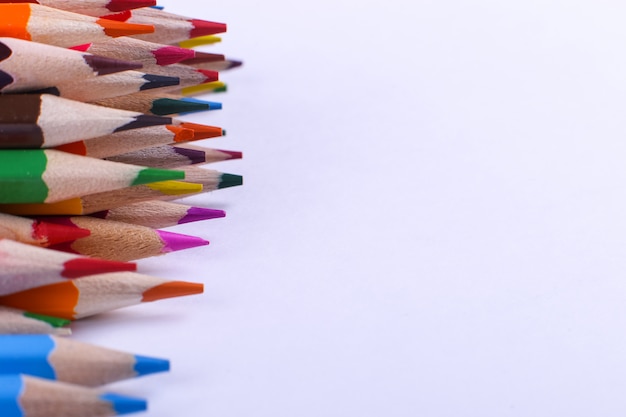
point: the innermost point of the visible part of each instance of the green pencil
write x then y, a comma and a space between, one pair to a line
47, 176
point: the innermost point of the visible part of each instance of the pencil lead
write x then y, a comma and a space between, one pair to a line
210, 75
234, 63
121, 5
103, 65
145, 365
212, 87
232, 154
176, 241
172, 54
83, 266
204, 27
172, 289
81, 48
58, 233
212, 105
199, 41
203, 131
157, 81
181, 134
165, 106
195, 214
230, 180
124, 405
202, 57
176, 187
116, 29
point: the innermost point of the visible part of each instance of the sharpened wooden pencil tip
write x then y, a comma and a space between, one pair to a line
172, 289
204, 27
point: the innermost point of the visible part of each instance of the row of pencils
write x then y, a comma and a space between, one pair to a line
94, 151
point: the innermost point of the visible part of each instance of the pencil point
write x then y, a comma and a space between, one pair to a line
149, 175
172, 54
204, 27
172, 289
121, 5
175, 187
103, 65
59, 233
122, 404
203, 131
176, 241
83, 266
145, 365
165, 106
195, 214
232, 154
181, 134
230, 180
145, 120
157, 81
234, 63
210, 75
116, 29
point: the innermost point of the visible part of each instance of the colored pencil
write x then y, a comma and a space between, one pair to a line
27, 396
114, 85
128, 141
168, 30
13, 321
97, 294
199, 41
187, 75
118, 241
159, 214
28, 66
44, 121
47, 176
66, 360
25, 266
35, 232
167, 156
130, 49
104, 201
91, 7
158, 105
33, 22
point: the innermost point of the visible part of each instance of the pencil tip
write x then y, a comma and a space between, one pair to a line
158, 81
234, 63
83, 266
232, 154
176, 241
195, 214
204, 27
122, 404
172, 289
203, 131
165, 106
116, 29
167, 55
230, 180
145, 365
59, 233
103, 65
210, 75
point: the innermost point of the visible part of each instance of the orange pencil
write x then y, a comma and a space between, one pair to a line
34, 22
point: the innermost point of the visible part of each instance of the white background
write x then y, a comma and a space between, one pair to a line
433, 221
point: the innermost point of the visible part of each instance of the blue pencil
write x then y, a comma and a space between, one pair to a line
27, 396
66, 360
